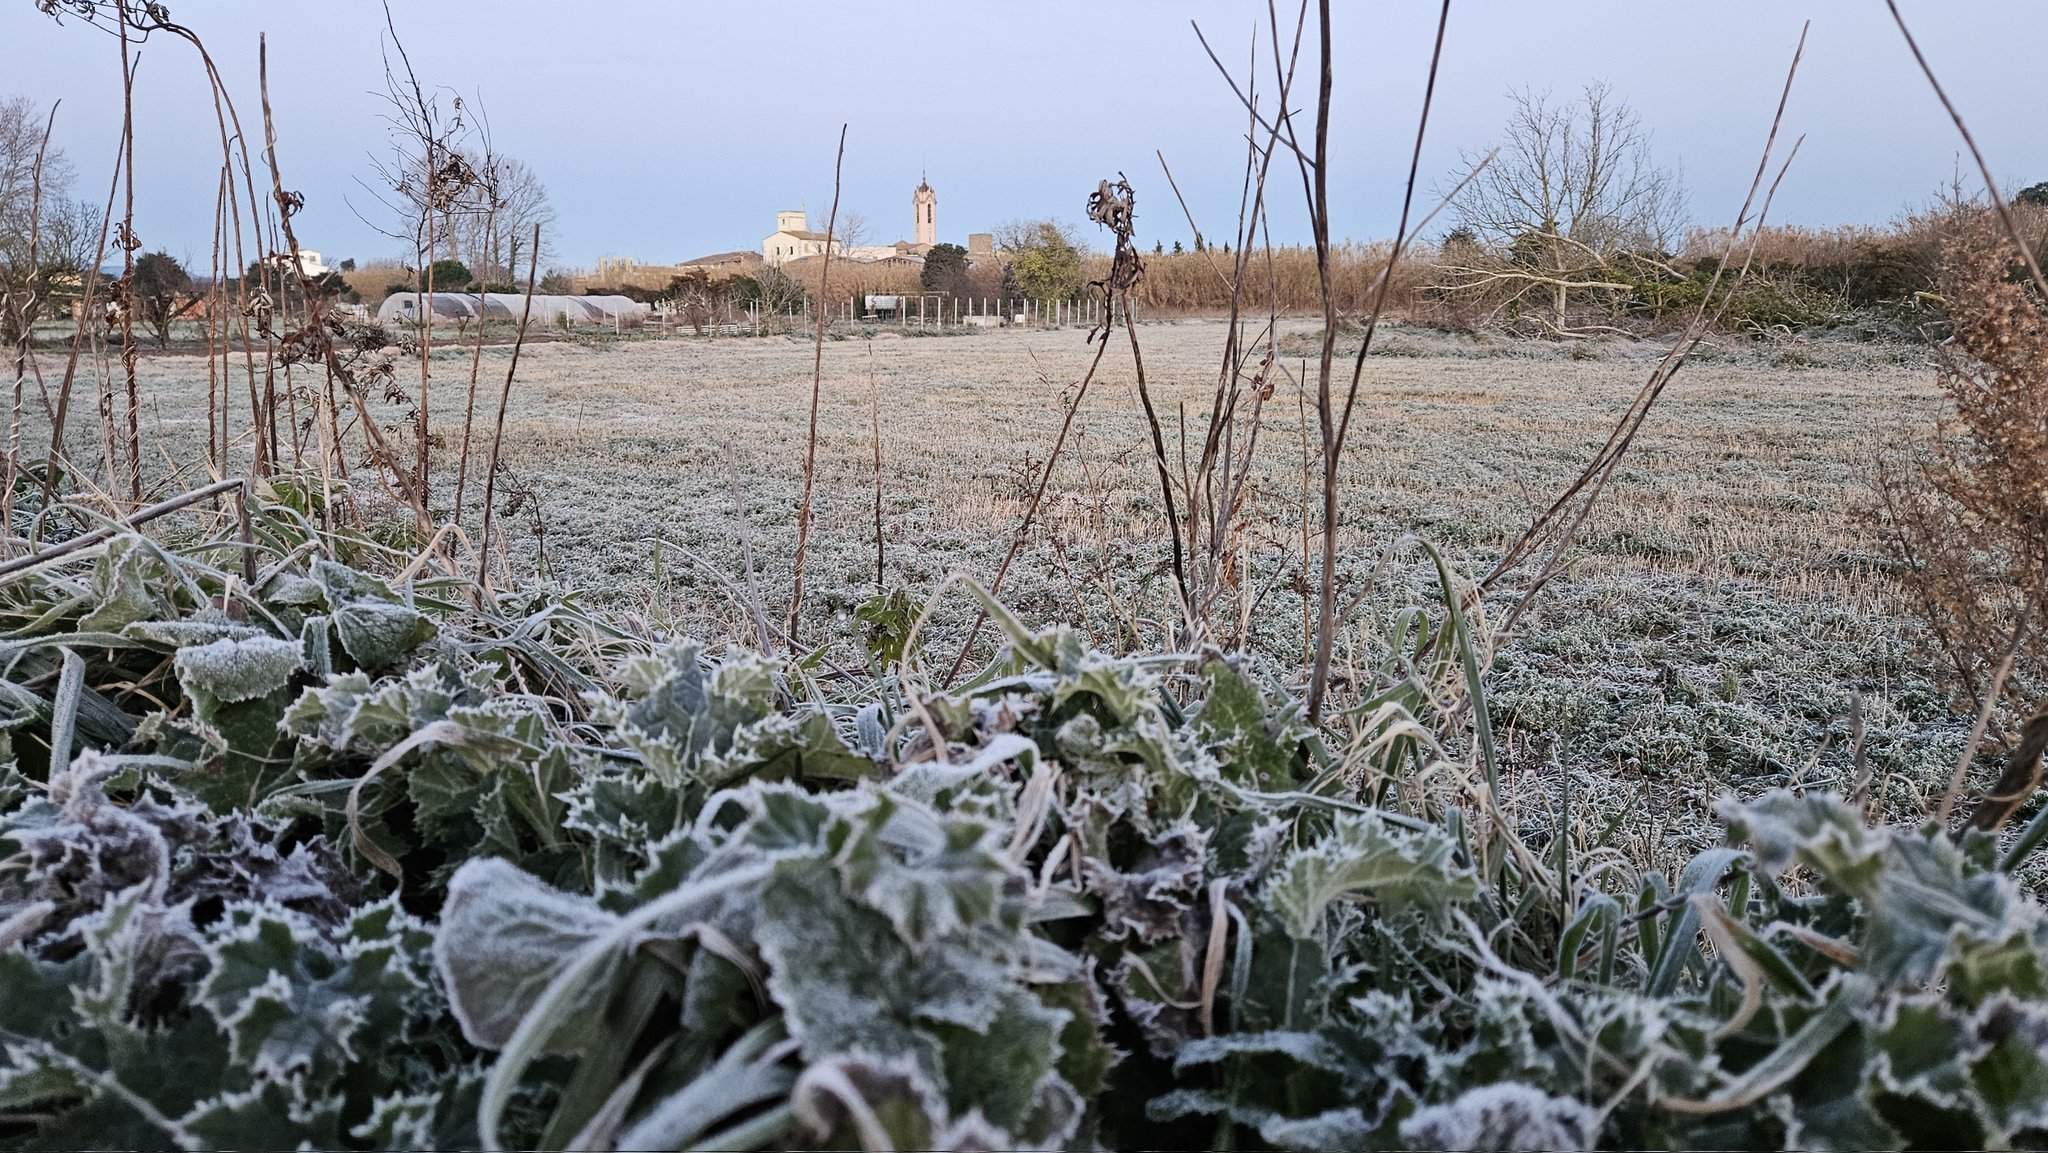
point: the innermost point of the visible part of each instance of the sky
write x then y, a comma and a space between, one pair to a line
668, 131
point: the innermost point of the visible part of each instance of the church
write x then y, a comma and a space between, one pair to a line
794, 240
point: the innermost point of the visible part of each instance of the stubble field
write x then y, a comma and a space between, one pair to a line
1723, 603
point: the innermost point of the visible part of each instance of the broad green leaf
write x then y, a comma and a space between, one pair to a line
234, 669
503, 937
1365, 855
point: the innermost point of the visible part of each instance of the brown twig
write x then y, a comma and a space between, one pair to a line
1335, 428
875, 429
78, 334
1023, 532
1992, 692
1560, 521
129, 244
317, 326
483, 573
128, 523
2020, 780
25, 314
476, 359
803, 508
2005, 217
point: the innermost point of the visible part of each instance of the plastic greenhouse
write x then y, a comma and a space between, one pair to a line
548, 310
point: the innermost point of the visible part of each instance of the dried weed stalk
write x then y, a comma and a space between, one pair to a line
1966, 511
803, 508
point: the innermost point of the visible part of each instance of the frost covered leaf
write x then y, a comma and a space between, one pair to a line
123, 587
804, 746
376, 627
1927, 904
1330, 1129
1815, 829
197, 630
622, 813
849, 983
1504, 1117
254, 1118
2011, 1077
931, 876
377, 634
1365, 854
234, 669
292, 1001
1149, 895
1255, 748
291, 589
867, 1101
678, 713
503, 936
751, 1071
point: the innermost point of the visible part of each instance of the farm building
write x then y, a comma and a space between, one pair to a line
723, 264
554, 311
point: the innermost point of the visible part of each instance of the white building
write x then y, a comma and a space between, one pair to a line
871, 252
310, 265
794, 240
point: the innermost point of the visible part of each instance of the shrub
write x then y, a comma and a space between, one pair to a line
1045, 262
451, 275
159, 280
1966, 511
945, 270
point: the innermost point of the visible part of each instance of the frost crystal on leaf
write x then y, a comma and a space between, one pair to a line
1503, 1118
234, 669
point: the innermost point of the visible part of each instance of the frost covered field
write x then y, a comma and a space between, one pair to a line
1723, 602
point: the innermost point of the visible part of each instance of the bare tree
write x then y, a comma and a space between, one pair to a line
522, 206
43, 247
489, 229
852, 232
21, 134
1573, 192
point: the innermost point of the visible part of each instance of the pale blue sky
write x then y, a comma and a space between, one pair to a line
665, 131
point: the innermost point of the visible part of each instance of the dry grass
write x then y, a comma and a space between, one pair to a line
1725, 552
1752, 475
851, 277
1197, 282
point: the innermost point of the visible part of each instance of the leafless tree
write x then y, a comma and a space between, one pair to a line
430, 178
489, 229
852, 232
1574, 192
522, 206
42, 248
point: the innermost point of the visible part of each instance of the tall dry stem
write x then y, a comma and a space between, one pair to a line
129, 243
476, 360
80, 335
1558, 524
803, 508
25, 312
483, 574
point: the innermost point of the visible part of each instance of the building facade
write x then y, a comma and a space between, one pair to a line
794, 240
924, 206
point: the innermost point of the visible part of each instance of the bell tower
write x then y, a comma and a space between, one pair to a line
924, 205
